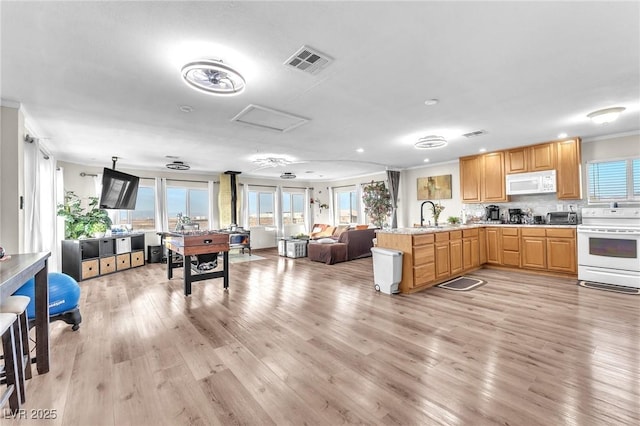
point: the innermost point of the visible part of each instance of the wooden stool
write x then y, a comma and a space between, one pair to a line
17, 305
12, 393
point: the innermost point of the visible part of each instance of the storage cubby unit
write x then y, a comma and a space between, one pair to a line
93, 257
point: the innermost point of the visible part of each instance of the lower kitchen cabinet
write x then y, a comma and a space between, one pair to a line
455, 253
493, 246
561, 250
534, 248
442, 254
511, 247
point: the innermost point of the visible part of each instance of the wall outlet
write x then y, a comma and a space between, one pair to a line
559, 207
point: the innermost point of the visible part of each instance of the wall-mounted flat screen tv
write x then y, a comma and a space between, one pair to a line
119, 190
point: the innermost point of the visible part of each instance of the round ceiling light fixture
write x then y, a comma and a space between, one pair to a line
288, 175
429, 142
213, 77
178, 165
605, 116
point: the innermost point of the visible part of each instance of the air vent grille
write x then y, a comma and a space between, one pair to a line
475, 134
308, 60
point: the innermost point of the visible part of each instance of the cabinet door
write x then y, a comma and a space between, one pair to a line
493, 246
470, 179
137, 258
466, 254
517, 161
475, 252
423, 275
123, 261
90, 269
542, 157
442, 259
482, 245
493, 177
534, 252
561, 255
455, 257
568, 174
107, 265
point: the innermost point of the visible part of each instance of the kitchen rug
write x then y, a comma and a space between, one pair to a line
609, 287
462, 284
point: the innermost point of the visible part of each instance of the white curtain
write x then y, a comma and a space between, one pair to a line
56, 259
277, 212
40, 203
213, 216
162, 219
307, 210
332, 207
362, 217
245, 206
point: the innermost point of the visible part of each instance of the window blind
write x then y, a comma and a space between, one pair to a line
617, 180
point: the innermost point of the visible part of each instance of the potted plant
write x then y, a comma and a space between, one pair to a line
377, 202
80, 222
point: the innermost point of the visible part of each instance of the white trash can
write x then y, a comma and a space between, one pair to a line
387, 269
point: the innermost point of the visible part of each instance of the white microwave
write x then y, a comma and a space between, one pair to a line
532, 183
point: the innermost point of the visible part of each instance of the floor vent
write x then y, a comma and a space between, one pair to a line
475, 134
308, 60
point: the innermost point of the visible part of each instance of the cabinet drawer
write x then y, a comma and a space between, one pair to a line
423, 255
466, 233
422, 239
90, 269
137, 258
511, 258
533, 232
441, 236
123, 261
455, 235
510, 231
510, 243
561, 233
107, 265
423, 274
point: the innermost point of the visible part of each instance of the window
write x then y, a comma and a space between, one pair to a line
261, 210
347, 206
190, 202
292, 207
143, 217
617, 180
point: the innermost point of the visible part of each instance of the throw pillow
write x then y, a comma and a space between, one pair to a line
326, 241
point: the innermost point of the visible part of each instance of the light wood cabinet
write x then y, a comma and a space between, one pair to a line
517, 160
534, 252
442, 255
511, 247
533, 158
470, 249
561, 250
493, 246
482, 246
482, 178
569, 182
455, 253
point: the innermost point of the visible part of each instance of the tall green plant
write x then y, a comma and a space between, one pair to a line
377, 202
80, 222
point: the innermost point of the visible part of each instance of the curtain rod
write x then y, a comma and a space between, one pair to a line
275, 186
84, 174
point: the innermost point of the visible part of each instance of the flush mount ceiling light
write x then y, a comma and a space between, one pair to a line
178, 165
288, 175
272, 161
214, 77
429, 142
606, 115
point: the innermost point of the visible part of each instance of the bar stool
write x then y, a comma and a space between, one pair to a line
17, 305
11, 355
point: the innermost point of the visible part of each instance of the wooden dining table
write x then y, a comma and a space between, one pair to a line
15, 270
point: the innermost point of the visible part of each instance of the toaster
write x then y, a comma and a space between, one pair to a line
562, 218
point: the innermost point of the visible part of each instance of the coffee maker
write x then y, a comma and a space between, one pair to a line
492, 213
515, 215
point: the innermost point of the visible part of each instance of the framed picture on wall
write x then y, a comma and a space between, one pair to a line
434, 187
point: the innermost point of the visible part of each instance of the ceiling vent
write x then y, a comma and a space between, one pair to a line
474, 134
429, 142
178, 165
309, 60
288, 175
267, 118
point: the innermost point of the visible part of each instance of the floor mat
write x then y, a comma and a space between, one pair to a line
462, 284
609, 287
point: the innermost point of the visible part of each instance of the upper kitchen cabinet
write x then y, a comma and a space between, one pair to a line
568, 169
531, 158
482, 178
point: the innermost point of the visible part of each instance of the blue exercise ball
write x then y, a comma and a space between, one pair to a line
64, 294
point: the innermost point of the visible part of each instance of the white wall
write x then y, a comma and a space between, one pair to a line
11, 178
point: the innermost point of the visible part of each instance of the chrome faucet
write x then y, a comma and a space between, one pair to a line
422, 210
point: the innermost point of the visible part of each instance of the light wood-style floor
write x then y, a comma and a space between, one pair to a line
300, 342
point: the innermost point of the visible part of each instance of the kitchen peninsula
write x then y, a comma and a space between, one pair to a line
432, 255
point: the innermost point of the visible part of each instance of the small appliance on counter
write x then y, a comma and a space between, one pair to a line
515, 216
562, 218
538, 220
492, 213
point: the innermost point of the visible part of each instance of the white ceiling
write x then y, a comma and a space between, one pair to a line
102, 79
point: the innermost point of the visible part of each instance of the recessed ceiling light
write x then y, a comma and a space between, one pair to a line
185, 108
429, 142
213, 77
430, 102
426, 160
605, 116
360, 150
483, 149
562, 135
